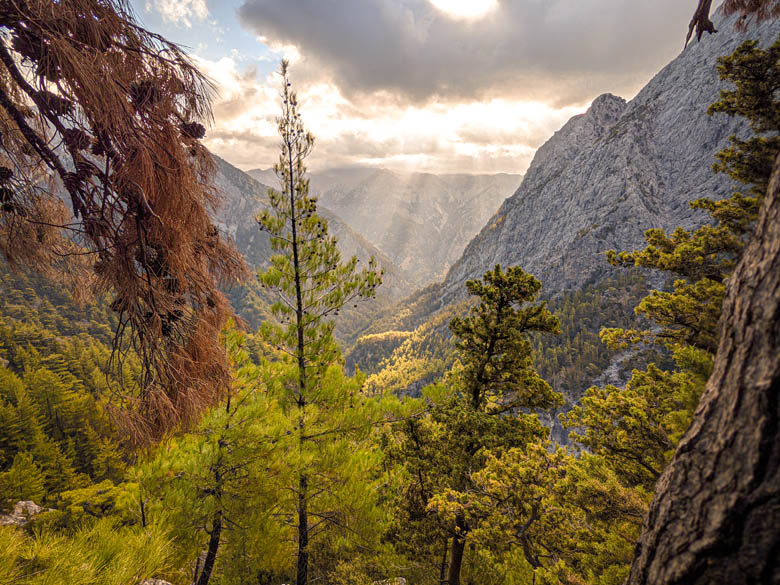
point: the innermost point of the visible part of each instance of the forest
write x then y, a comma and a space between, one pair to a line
150, 434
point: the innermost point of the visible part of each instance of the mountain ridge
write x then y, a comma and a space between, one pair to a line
421, 221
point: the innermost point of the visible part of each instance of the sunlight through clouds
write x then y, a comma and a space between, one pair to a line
435, 85
498, 135
465, 9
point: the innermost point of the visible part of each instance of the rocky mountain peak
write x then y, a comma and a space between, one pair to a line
619, 169
578, 133
606, 109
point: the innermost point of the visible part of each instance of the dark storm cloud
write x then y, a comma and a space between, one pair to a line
561, 51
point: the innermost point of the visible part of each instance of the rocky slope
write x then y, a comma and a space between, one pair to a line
243, 197
421, 221
613, 172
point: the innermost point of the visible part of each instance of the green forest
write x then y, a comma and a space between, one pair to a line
146, 432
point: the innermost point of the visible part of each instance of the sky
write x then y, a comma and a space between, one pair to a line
441, 86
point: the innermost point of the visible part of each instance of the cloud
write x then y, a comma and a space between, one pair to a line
561, 51
496, 135
179, 12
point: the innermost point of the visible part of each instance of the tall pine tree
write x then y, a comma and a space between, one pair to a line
311, 284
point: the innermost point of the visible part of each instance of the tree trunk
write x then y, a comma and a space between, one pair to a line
456, 553
211, 553
443, 567
715, 517
302, 574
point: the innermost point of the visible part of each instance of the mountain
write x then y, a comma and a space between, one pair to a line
242, 198
615, 171
609, 175
599, 183
421, 221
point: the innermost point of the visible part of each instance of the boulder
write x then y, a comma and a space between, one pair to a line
22, 513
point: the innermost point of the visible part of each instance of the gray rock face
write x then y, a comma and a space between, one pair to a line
612, 173
422, 222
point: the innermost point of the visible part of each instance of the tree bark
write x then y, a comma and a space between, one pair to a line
715, 517
302, 573
211, 553
456, 552
443, 567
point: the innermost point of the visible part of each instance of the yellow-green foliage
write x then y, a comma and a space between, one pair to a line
426, 354
54, 388
637, 427
120, 503
480, 408
539, 513
98, 554
371, 350
569, 361
240, 463
22, 481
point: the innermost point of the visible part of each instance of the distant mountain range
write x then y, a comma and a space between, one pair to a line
420, 249
422, 222
243, 197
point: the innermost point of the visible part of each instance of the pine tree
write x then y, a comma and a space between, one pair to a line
637, 428
729, 452
217, 479
498, 374
312, 285
23, 481
483, 406
493, 344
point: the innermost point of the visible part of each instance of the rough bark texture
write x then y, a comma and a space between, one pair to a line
715, 517
443, 567
456, 552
